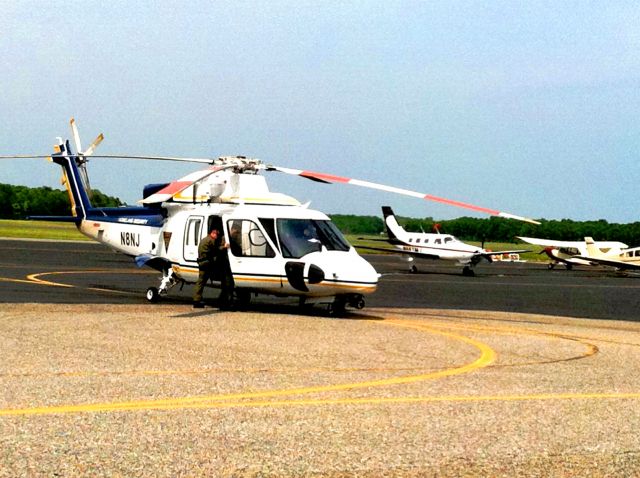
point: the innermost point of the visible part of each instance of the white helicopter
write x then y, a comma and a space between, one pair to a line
283, 248
433, 246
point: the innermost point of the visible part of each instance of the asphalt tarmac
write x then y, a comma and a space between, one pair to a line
86, 273
103, 384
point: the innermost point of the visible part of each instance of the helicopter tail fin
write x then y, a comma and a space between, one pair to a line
73, 179
391, 225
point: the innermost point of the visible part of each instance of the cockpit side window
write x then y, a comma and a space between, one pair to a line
299, 237
269, 225
246, 239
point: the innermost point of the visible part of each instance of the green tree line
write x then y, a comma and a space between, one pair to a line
19, 202
496, 229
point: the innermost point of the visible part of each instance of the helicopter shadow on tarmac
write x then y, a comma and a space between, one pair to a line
270, 306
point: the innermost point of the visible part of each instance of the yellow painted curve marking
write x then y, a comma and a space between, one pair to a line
487, 356
35, 278
19, 281
361, 401
592, 349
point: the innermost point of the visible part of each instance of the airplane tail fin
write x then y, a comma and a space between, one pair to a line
592, 249
391, 225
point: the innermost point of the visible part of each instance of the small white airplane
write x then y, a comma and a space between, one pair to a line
433, 246
626, 259
572, 253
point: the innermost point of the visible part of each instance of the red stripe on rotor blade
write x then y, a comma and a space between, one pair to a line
330, 178
461, 204
175, 187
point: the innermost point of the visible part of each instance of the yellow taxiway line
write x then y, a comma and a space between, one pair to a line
486, 356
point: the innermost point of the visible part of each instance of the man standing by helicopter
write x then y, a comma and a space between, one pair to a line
212, 262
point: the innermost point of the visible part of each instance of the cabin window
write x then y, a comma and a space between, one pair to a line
246, 239
438, 241
299, 237
411, 239
417, 240
572, 251
637, 253
193, 232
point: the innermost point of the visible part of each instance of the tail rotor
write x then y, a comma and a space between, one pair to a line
82, 156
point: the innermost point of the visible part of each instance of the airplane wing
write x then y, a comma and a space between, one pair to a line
610, 262
421, 255
551, 243
567, 244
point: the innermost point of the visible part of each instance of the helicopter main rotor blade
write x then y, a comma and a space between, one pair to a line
330, 178
156, 158
25, 156
176, 187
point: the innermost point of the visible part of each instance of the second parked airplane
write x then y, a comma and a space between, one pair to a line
433, 246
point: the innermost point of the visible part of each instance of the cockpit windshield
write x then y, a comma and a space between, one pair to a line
299, 237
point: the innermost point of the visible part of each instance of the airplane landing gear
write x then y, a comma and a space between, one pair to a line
413, 269
468, 271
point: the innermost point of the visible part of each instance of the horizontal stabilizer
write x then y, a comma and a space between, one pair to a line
73, 219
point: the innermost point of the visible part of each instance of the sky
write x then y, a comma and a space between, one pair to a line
529, 107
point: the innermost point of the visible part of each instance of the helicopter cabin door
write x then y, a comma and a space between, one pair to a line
252, 255
194, 231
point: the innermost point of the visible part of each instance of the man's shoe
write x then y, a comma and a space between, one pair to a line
198, 305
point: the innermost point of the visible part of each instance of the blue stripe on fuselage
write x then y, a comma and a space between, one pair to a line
139, 216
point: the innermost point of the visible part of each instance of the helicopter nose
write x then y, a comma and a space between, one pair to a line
301, 275
295, 272
316, 274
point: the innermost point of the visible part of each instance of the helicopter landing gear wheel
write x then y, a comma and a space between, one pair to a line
241, 298
153, 295
168, 281
357, 301
337, 308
